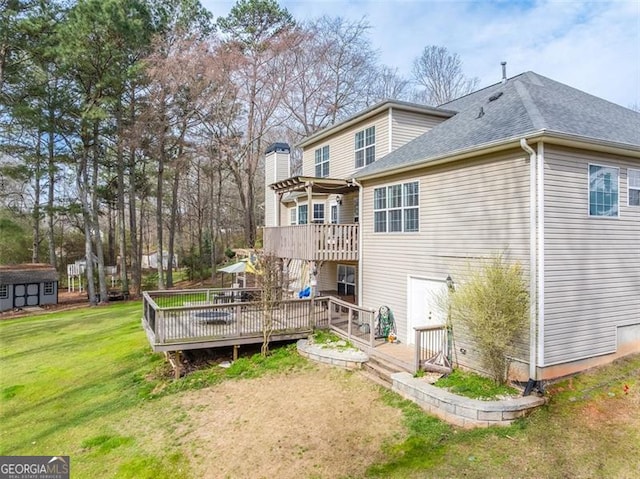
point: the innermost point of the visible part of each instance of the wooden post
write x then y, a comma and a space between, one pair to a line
177, 366
235, 351
417, 355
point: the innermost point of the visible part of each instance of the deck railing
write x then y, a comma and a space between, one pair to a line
355, 323
177, 320
313, 242
433, 348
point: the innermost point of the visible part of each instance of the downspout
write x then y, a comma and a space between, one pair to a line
360, 235
533, 264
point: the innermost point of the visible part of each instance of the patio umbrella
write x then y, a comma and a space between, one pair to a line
235, 268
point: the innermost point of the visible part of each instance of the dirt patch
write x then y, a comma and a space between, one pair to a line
322, 423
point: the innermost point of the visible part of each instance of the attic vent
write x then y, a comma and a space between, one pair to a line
496, 96
480, 113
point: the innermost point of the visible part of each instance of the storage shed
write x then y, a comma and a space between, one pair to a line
27, 285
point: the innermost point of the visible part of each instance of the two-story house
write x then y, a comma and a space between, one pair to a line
530, 168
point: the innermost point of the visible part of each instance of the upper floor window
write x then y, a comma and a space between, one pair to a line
365, 147
633, 178
302, 214
395, 208
48, 288
293, 216
603, 191
318, 213
322, 162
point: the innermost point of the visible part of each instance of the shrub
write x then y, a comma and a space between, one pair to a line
493, 304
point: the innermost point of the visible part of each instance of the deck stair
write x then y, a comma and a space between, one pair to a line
379, 370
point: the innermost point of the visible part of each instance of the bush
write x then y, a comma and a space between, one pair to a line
493, 304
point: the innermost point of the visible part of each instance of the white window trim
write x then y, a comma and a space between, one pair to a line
589, 192
355, 271
364, 148
298, 205
322, 161
336, 205
629, 188
324, 212
402, 208
293, 215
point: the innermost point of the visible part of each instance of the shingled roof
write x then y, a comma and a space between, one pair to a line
525, 105
27, 273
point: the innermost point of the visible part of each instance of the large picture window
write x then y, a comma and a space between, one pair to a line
322, 162
633, 178
603, 191
365, 147
395, 208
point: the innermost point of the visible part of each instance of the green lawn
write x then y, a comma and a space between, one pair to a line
68, 379
65, 377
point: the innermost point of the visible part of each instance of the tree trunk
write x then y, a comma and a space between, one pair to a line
122, 232
102, 281
51, 170
35, 254
172, 225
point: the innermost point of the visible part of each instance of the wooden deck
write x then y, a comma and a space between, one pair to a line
211, 318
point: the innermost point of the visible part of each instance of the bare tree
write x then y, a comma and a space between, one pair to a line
440, 74
270, 283
330, 68
388, 84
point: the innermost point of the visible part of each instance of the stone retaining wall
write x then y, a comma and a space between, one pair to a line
462, 411
344, 358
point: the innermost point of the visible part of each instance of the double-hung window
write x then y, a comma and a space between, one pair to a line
318, 213
293, 218
365, 147
603, 191
302, 214
633, 177
395, 208
48, 288
322, 162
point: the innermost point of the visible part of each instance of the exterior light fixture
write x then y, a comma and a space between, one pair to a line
450, 284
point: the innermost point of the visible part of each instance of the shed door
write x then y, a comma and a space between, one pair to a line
26, 295
422, 307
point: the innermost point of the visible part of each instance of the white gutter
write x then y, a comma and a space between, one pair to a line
360, 234
533, 260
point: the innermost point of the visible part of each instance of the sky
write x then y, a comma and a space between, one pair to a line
592, 46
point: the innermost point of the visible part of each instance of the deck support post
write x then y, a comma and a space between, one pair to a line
177, 368
235, 351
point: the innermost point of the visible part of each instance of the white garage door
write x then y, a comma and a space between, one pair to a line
422, 307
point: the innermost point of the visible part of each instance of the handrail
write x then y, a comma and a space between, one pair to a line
433, 348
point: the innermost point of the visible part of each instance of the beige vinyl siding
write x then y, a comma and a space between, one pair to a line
468, 210
592, 264
342, 159
407, 125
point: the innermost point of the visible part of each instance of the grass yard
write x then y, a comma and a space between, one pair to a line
84, 383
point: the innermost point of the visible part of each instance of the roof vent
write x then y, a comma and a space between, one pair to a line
504, 72
495, 97
480, 113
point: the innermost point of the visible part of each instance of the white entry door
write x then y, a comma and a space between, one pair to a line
422, 307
